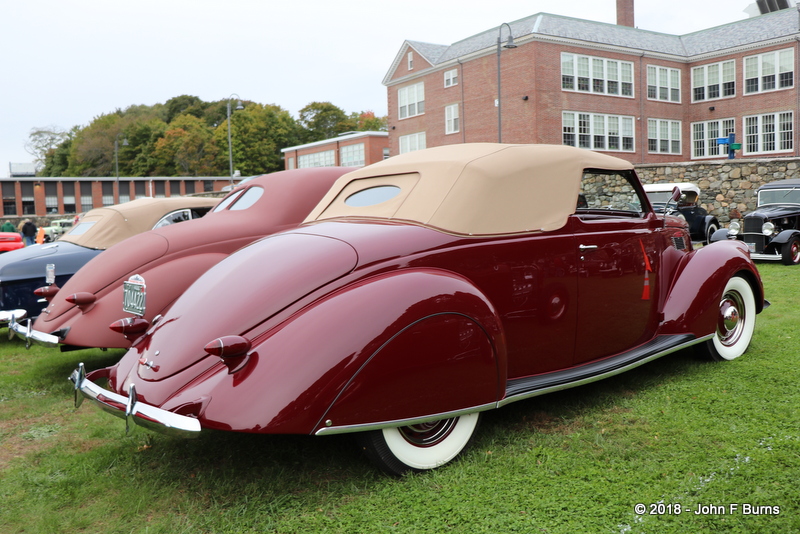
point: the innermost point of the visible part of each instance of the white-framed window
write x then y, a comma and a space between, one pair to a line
663, 84
290, 163
352, 155
705, 135
663, 136
451, 78
410, 60
598, 132
412, 142
411, 100
451, 124
326, 158
769, 133
714, 81
769, 71
588, 74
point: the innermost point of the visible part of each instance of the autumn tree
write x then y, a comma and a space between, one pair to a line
366, 121
323, 120
186, 149
258, 132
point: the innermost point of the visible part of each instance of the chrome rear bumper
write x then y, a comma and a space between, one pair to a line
131, 409
27, 333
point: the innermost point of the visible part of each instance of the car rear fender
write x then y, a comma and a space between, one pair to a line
692, 303
394, 346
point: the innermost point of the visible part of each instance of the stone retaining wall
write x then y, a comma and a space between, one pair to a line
727, 187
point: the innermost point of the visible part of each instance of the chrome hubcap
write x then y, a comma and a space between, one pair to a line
428, 434
731, 323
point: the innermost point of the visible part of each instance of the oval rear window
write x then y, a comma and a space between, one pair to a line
372, 196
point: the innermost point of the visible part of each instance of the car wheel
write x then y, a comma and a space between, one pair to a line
420, 447
735, 323
790, 252
710, 231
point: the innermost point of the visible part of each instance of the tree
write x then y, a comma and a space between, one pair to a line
43, 141
323, 120
56, 160
186, 149
258, 132
92, 150
184, 105
366, 121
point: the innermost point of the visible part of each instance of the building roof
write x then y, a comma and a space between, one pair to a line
21, 169
750, 31
344, 137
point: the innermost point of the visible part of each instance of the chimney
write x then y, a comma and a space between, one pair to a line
625, 13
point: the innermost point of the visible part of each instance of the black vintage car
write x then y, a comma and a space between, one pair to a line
772, 231
702, 224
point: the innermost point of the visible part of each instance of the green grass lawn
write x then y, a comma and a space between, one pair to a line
676, 435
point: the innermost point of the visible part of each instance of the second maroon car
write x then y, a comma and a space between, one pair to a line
146, 273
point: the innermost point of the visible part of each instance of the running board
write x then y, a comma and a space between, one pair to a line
532, 386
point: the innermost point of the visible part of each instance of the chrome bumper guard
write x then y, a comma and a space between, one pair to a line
11, 316
29, 335
131, 409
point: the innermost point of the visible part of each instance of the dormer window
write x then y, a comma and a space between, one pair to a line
410, 59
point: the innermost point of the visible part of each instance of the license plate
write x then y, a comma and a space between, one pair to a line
751, 246
134, 294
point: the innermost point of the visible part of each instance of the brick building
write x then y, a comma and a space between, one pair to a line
353, 149
643, 96
40, 196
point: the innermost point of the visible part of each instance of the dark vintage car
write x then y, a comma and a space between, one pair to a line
772, 231
702, 225
25, 270
426, 289
144, 274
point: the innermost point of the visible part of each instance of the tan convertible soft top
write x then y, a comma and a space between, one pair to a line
472, 189
112, 224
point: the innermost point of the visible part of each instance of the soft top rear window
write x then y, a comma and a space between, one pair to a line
81, 228
372, 196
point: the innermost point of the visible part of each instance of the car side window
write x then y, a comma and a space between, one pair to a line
174, 217
608, 194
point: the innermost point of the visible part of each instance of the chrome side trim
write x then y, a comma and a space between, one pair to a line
345, 429
28, 334
523, 394
588, 379
131, 409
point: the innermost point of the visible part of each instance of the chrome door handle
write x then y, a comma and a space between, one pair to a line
584, 248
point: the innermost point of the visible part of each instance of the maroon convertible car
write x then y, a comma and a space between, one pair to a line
426, 289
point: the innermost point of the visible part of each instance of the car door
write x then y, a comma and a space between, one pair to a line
617, 261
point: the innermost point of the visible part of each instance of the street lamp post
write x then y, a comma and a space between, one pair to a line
500, 46
230, 147
116, 164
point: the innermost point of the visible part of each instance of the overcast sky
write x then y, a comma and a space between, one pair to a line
65, 62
